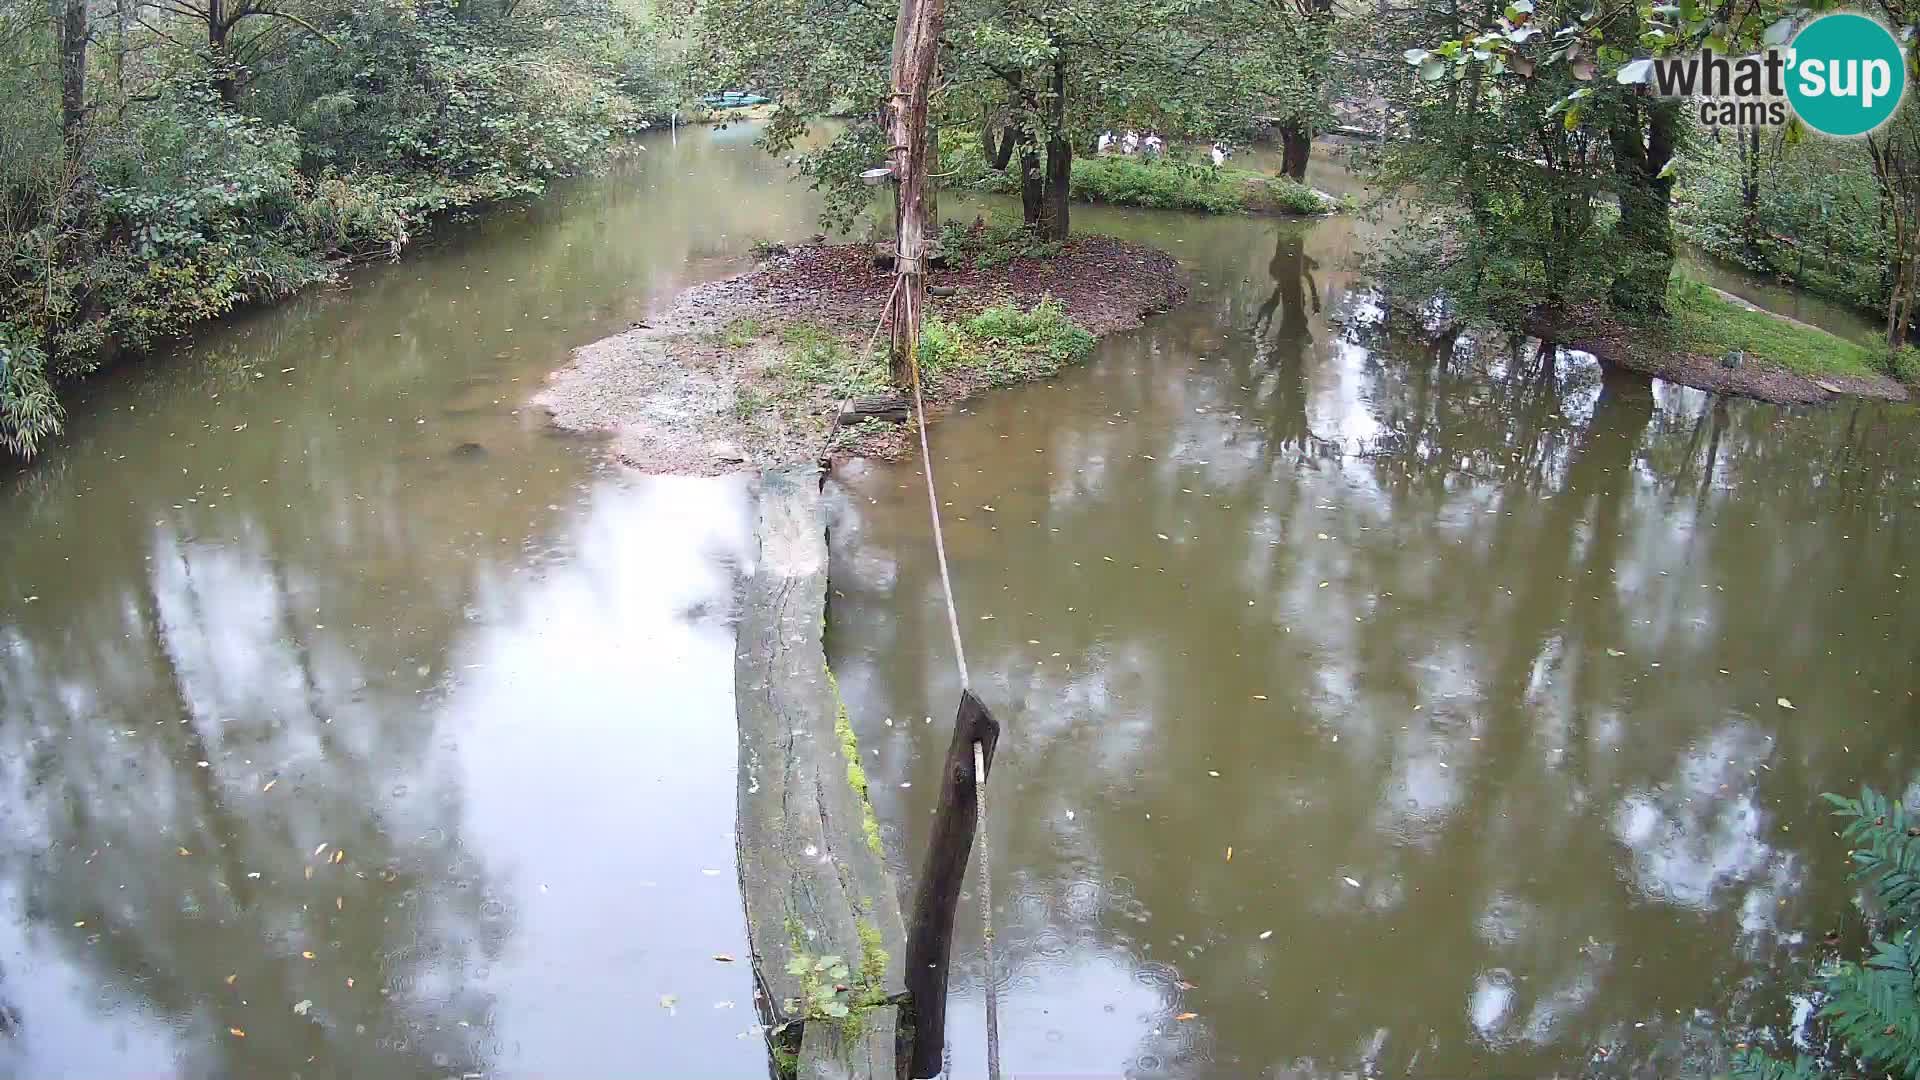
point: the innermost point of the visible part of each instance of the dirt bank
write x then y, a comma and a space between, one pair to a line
751, 371
1594, 330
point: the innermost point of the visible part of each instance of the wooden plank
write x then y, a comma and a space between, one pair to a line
813, 879
936, 894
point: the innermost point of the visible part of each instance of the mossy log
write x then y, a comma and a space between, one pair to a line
811, 874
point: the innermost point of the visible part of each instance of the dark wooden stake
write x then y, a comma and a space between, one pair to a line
916, 52
936, 895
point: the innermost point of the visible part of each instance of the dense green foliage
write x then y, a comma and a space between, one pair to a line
1869, 1009
217, 155
1537, 155
1809, 212
1162, 184
1036, 84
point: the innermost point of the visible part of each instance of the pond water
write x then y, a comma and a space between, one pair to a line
320, 587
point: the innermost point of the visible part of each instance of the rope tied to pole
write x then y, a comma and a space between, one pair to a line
978, 723
933, 501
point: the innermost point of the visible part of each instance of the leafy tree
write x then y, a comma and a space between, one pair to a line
1038, 83
1869, 1009
163, 163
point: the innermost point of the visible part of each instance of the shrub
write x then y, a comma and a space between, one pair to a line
29, 412
986, 244
1006, 343
1869, 1011
1906, 364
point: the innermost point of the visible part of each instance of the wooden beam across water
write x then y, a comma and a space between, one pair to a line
811, 869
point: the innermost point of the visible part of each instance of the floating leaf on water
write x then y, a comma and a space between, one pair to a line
1184, 985
1213, 772
723, 958
184, 852
1265, 934
300, 1008
231, 979
339, 855
1351, 882
339, 903
1186, 1016
1229, 852
1615, 652
1783, 703
82, 922
269, 786
309, 873
668, 1001
306, 955
320, 849
236, 1033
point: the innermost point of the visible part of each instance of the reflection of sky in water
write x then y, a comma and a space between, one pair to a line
1695, 835
1441, 749
596, 744
70, 1025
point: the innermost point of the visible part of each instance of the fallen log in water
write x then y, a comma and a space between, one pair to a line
823, 918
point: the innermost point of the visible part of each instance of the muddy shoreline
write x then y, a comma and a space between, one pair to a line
1591, 329
689, 389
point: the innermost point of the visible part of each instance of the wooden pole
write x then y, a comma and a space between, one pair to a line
916, 51
936, 894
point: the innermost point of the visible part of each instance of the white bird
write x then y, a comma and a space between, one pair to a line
1106, 140
1219, 156
1131, 143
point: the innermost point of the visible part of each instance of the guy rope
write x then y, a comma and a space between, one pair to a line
962, 806
961, 810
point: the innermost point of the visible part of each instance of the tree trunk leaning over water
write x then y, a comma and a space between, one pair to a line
916, 50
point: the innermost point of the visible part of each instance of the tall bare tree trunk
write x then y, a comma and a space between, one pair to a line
916, 51
73, 74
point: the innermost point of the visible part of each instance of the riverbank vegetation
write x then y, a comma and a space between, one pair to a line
1159, 184
163, 164
1037, 85
1543, 174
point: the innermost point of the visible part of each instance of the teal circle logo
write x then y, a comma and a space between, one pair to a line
1846, 74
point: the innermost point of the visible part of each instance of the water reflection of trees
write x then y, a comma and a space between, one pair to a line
154, 716
1473, 660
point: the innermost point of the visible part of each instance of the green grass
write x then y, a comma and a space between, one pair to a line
1007, 344
1705, 322
814, 358
1167, 185
740, 333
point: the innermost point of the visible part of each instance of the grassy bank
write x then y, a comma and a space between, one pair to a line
1712, 342
1703, 321
1160, 184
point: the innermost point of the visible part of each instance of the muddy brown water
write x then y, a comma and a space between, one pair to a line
322, 579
